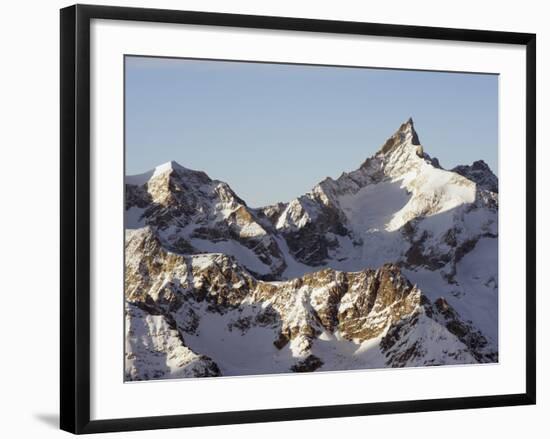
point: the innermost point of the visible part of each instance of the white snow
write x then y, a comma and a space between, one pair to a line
234, 352
371, 209
244, 255
298, 213
475, 296
154, 350
477, 273
377, 201
141, 179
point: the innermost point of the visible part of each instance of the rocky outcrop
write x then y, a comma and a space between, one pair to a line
190, 213
163, 290
480, 173
317, 280
405, 132
328, 224
155, 349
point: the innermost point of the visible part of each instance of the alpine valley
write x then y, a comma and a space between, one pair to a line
394, 264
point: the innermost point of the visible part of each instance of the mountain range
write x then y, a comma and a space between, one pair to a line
394, 264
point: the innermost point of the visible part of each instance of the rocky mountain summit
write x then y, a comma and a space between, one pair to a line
391, 265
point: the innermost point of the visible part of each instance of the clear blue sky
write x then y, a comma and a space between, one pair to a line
273, 131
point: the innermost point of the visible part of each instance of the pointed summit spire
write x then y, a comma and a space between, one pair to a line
415, 140
405, 134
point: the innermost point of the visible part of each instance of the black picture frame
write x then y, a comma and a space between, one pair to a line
75, 217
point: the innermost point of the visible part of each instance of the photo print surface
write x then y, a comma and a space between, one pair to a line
284, 218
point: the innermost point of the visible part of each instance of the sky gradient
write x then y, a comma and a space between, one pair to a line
274, 131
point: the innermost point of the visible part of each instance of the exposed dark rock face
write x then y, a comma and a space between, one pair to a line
136, 196
312, 276
420, 255
309, 244
310, 364
480, 173
383, 293
399, 137
179, 198
473, 339
401, 345
359, 306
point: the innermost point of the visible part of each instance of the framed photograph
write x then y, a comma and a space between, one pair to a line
273, 218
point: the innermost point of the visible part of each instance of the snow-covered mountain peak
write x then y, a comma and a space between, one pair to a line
395, 200
374, 214
173, 168
405, 137
163, 170
393, 264
172, 165
401, 156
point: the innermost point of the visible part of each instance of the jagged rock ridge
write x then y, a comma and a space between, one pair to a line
319, 283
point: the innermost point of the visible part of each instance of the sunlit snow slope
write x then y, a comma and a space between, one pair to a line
394, 264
